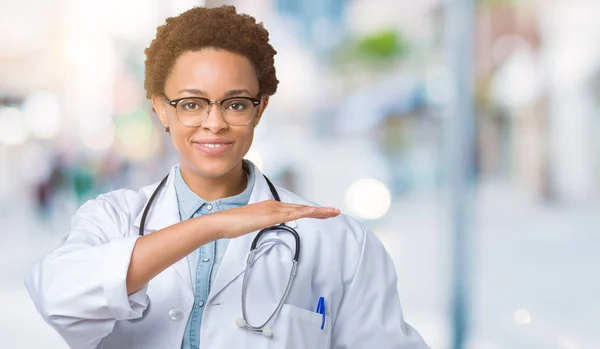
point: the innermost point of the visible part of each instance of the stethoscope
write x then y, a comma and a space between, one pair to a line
254, 248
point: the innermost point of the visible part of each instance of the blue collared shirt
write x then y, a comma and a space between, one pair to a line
205, 261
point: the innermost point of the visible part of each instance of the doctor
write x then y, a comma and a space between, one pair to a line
177, 276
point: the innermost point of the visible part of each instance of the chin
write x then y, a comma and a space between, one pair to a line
212, 168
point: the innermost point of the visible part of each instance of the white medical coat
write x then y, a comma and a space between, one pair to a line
79, 287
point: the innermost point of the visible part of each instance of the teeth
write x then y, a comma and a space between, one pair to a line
214, 145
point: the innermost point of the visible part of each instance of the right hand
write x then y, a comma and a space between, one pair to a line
240, 221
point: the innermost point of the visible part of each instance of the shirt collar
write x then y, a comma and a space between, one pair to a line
189, 202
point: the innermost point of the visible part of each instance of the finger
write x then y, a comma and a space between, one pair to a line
291, 214
283, 206
321, 212
297, 208
287, 207
301, 211
328, 212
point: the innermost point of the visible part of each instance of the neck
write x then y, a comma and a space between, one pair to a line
210, 189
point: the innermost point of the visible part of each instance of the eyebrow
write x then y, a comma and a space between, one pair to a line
229, 93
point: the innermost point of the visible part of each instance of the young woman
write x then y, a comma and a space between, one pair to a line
169, 266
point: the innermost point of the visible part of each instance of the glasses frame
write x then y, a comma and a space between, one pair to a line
174, 102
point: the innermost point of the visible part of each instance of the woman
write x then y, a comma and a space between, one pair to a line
210, 74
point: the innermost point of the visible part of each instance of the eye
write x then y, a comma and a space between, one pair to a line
191, 105
237, 105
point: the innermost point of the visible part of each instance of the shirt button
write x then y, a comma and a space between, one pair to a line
176, 314
201, 304
209, 207
205, 259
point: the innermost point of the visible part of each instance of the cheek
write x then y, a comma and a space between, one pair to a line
246, 138
180, 136
244, 142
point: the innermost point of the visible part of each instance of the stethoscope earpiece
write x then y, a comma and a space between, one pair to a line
240, 322
267, 332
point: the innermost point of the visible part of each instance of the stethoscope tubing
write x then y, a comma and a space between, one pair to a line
250, 260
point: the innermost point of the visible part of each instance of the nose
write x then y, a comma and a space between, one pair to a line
214, 120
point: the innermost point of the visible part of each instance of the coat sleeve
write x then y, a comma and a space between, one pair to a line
370, 315
79, 287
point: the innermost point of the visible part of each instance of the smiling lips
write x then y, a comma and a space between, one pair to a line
213, 147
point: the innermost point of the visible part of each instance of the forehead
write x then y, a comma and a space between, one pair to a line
213, 71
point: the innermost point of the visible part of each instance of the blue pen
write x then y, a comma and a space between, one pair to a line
321, 310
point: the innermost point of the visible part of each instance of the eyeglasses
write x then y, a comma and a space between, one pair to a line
193, 111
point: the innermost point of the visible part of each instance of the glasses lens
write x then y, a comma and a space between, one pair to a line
237, 111
192, 111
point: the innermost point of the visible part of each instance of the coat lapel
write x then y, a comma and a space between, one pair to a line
164, 213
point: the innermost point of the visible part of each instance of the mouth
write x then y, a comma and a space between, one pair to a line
213, 147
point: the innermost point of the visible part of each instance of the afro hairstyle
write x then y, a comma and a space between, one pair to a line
220, 28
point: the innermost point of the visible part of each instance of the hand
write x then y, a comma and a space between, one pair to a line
240, 221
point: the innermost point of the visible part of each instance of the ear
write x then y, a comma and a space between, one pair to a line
264, 101
160, 107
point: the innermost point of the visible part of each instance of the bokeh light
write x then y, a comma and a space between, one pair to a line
12, 128
522, 317
43, 115
134, 135
368, 198
98, 140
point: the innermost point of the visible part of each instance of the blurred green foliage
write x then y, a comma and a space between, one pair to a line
384, 45
374, 50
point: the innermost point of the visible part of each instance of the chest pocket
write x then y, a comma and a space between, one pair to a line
300, 328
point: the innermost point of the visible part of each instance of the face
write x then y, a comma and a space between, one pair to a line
213, 74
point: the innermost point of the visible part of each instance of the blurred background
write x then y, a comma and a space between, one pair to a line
466, 135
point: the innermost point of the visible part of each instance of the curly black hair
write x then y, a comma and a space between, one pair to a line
219, 27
